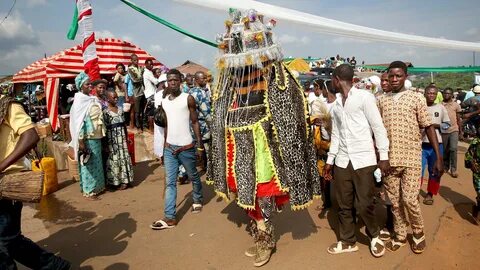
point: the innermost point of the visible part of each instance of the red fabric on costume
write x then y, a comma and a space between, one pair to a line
269, 189
231, 181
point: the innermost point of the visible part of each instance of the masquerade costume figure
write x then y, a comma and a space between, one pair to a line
262, 152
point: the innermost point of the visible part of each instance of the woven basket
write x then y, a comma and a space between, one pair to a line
22, 186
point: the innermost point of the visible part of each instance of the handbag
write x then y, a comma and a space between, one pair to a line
160, 118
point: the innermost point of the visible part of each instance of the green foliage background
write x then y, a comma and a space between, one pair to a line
444, 80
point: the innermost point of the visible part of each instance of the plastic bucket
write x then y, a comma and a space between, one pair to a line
126, 107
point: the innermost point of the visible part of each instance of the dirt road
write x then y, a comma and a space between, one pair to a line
114, 233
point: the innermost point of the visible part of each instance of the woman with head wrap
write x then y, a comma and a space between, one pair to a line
87, 130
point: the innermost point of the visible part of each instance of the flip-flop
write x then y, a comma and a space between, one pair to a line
161, 225
416, 243
428, 201
339, 248
395, 244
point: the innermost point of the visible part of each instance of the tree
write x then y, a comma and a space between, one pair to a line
444, 80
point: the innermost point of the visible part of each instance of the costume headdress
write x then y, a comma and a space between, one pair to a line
247, 40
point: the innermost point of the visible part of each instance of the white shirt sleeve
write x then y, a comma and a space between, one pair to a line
148, 77
375, 120
335, 140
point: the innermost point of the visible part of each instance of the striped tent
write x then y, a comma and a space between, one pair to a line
68, 63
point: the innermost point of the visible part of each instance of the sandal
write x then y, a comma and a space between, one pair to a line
428, 201
418, 245
251, 251
377, 247
163, 224
384, 235
395, 244
340, 247
196, 208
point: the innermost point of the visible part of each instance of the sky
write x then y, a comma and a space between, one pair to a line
39, 27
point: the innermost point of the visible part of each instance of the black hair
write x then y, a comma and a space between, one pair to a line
430, 86
344, 72
319, 83
99, 81
148, 60
120, 65
132, 55
448, 89
174, 72
329, 85
110, 91
200, 72
398, 64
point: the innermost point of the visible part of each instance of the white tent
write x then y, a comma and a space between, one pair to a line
335, 27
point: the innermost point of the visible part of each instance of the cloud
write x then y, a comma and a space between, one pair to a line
34, 3
15, 27
286, 39
24, 54
127, 38
472, 31
104, 34
187, 40
14, 32
155, 48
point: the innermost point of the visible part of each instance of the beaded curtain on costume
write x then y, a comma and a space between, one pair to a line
259, 129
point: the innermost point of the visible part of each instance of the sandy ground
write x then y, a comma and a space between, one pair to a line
114, 233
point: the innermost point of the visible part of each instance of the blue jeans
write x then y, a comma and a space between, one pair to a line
14, 246
429, 158
188, 159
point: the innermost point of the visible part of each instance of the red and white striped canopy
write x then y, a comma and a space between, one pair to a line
68, 63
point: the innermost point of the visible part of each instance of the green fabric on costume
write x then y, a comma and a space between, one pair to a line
263, 165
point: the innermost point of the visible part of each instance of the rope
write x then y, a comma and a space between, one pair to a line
168, 24
10, 11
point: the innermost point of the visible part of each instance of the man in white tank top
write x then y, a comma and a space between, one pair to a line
180, 148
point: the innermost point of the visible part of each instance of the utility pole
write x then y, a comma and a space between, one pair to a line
474, 58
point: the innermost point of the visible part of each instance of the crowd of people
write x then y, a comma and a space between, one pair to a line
334, 61
412, 132
254, 142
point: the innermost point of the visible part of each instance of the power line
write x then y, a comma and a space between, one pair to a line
10, 11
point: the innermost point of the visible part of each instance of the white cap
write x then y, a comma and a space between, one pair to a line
375, 80
408, 84
476, 89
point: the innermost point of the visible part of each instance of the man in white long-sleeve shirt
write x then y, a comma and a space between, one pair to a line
149, 81
355, 119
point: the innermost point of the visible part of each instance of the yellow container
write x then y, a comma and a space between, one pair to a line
49, 168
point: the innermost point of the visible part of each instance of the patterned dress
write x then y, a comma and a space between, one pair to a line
118, 165
472, 162
92, 180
